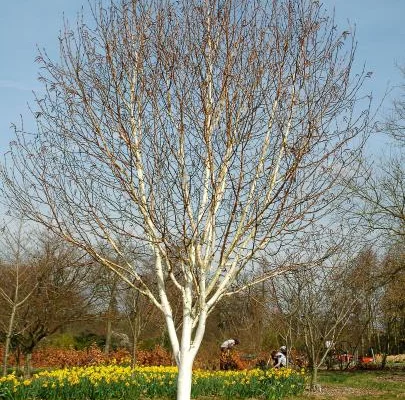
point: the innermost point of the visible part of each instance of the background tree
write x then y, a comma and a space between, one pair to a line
378, 193
393, 301
377, 204
58, 295
106, 286
395, 123
208, 131
140, 313
17, 284
379, 199
318, 308
363, 282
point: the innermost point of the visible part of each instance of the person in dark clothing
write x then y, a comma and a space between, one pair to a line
226, 361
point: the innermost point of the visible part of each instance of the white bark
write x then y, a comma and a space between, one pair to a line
8, 338
184, 379
203, 136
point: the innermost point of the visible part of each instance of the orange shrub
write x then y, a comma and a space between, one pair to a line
158, 356
51, 357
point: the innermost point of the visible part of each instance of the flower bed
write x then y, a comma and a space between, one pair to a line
119, 382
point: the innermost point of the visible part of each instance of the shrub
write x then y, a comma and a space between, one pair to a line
51, 357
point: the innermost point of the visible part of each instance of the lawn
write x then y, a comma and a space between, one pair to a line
359, 385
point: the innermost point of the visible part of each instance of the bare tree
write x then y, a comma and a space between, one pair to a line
378, 193
364, 284
395, 124
139, 313
56, 294
318, 308
377, 319
106, 284
210, 131
17, 284
393, 300
378, 199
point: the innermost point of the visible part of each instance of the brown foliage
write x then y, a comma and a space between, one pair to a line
50, 357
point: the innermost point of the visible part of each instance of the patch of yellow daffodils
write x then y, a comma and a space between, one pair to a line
117, 380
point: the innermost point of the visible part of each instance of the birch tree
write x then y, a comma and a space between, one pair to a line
208, 131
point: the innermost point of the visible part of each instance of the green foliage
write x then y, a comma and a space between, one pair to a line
62, 341
5, 394
87, 339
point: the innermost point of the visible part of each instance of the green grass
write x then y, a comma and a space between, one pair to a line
359, 385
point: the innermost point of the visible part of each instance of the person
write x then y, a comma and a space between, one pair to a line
279, 357
229, 344
226, 360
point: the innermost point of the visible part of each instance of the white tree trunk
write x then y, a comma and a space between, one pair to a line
108, 335
188, 351
207, 195
184, 379
8, 339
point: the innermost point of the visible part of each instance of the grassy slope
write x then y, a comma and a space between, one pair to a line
361, 385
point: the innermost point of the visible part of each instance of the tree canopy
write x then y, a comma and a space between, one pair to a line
207, 131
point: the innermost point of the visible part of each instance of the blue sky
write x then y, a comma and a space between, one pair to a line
25, 24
